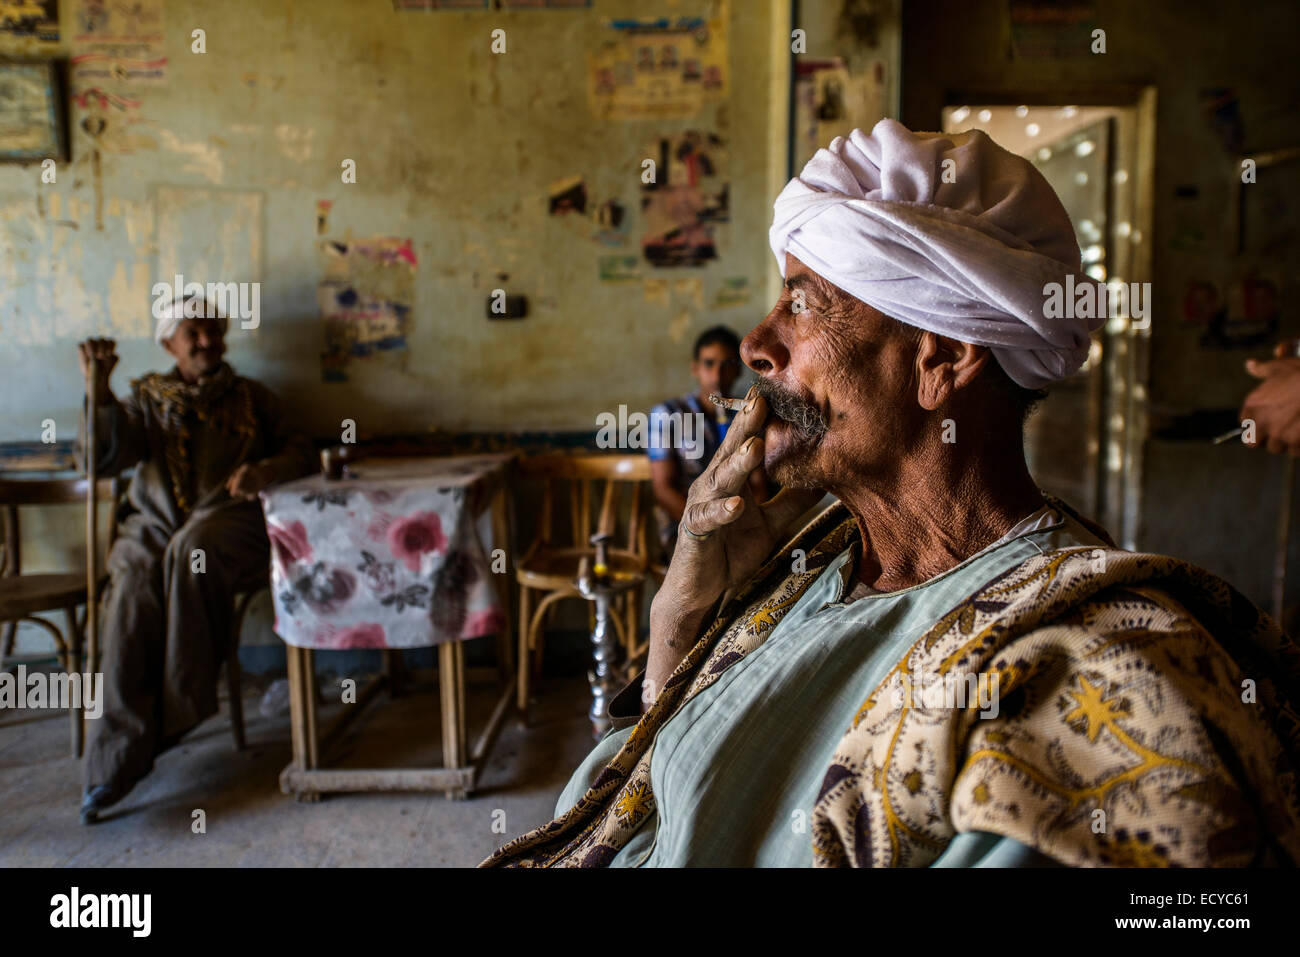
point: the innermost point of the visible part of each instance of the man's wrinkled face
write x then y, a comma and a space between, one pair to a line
716, 368
838, 377
197, 345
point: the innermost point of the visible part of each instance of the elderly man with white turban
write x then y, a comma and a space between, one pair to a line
946, 667
204, 442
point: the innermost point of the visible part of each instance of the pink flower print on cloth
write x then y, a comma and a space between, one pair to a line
289, 542
365, 635
414, 536
326, 588
486, 621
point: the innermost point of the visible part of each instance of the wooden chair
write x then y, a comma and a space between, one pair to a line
27, 597
548, 572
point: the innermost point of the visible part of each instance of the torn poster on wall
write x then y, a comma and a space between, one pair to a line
567, 196
30, 18
659, 68
400, 5
119, 41
1051, 29
831, 100
365, 301
543, 4
619, 268
734, 291
113, 121
687, 197
1246, 318
609, 223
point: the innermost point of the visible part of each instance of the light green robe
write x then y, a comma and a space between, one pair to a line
737, 770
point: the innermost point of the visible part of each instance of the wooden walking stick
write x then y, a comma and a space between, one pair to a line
92, 543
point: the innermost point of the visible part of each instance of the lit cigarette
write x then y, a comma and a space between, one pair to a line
724, 402
1220, 439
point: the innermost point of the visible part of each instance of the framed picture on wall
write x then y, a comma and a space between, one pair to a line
32, 116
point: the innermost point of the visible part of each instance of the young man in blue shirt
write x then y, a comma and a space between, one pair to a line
689, 429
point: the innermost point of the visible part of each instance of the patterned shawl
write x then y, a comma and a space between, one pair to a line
221, 401
1147, 717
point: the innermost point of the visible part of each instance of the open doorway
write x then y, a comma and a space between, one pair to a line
1084, 442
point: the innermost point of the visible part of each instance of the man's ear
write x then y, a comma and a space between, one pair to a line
943, 366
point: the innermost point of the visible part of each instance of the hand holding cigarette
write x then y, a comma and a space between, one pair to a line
724, 537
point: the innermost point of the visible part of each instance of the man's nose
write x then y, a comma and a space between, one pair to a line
763, 350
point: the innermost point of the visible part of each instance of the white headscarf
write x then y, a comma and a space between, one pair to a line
171, 314
962, 249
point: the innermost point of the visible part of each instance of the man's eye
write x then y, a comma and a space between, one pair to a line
798, 304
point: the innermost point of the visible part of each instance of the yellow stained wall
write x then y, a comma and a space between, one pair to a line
455, 148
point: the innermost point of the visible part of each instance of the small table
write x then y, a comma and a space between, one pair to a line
390, 557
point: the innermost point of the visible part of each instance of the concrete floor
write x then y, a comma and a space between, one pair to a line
251, 824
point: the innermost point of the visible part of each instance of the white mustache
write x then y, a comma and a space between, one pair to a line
807, 419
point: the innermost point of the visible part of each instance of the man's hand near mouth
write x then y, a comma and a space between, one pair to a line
725, 536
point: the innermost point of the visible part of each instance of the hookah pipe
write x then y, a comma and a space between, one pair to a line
600, 584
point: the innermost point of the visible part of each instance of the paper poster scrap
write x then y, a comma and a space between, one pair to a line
659, 68
1052, 29
405, 5
610, 223
733, 292
655, 292
691, 290
1246, 318
113, 122
688, 196
30, 18
119, 41
605, 223
619, 269
567, 196
365, 300
543, 4
831, 101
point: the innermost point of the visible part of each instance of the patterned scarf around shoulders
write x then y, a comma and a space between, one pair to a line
1148, 717
221, 401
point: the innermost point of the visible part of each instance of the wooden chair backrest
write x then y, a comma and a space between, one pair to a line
19, 492
618, 483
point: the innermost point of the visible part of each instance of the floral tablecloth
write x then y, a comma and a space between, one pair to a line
393, 555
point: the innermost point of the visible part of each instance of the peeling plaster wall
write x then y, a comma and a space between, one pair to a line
455, 148
220, 170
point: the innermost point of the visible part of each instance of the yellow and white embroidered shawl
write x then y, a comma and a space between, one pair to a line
1147, 717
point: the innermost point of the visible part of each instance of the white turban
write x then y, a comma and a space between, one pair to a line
171, 314
962, 249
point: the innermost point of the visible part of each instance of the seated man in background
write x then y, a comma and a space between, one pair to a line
204, 442
681, 454
946, 667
